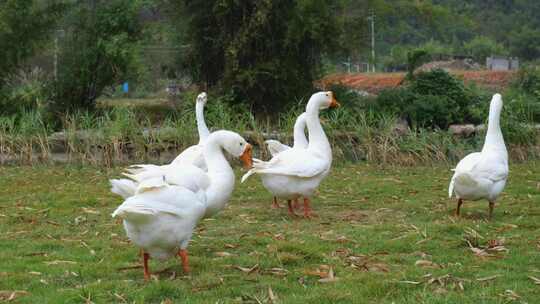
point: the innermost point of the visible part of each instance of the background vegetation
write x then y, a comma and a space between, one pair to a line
259, 61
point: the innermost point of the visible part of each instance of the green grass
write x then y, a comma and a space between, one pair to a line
60, 245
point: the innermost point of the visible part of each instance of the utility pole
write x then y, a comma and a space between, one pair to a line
371, 18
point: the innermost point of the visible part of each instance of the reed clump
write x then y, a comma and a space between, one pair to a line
125, 135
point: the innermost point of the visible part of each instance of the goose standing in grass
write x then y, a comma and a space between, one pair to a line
299, 142
298, 172
192, 155
161, 216
483, 175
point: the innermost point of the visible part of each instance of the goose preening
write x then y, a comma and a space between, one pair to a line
161, 216
483, 175
192, 155
299, 142
298, 172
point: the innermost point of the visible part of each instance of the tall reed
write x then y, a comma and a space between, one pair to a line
124, 135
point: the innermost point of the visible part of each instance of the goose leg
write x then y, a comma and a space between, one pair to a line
291, 209
275, 204
491, 206
146, 257
296, 204
183, 254
459, 203
307, 208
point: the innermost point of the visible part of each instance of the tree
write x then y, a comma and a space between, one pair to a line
99, 50
25, 26
524, 43
267, 53
481, 47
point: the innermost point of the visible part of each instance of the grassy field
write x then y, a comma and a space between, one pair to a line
381, 236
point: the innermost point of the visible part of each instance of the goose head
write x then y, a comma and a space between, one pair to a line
202, 98
323, 100
496, 104
236, 146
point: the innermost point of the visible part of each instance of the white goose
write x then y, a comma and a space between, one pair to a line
483, 175
298, 172
161, 216
299, 142
192, 155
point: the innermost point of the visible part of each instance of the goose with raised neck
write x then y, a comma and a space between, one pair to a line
298, 172
483, 175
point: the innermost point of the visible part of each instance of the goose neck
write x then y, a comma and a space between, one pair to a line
201, 124
221, 177
317, 137
300, 140
494, 138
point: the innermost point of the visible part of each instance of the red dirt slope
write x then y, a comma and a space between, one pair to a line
374, 83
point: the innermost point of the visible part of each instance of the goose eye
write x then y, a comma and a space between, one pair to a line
241, 144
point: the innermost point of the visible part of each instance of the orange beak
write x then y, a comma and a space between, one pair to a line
246, 157
334, 103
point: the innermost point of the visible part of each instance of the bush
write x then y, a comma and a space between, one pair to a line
433, 99
528, 81
25, 91
98, 51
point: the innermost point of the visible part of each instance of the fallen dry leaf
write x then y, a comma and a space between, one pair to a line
280, 272
410, 282
248, 270
10, 295
426, 264
493, 277
223, 254
330, 278
56, 262
535, 280
271, 296
90, 210
510, 295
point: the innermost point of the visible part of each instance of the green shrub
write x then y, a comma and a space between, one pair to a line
99, 50
528, 81
433, 99
25, 91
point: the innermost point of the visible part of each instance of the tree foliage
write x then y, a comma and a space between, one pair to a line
266, 52
25, 26
99, 50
